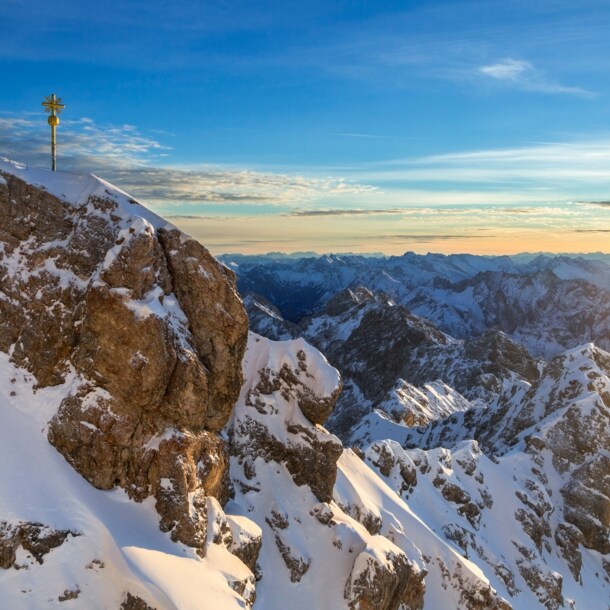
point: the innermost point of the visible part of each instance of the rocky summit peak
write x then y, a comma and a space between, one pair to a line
145, 322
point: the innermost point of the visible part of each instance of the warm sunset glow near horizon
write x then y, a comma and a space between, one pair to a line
288, 235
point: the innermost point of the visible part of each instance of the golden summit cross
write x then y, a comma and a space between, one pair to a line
52, 104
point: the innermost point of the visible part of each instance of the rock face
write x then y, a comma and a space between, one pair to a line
35, 538
300, 391
149, 328
383, 579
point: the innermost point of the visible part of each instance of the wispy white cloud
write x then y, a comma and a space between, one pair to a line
553, 170
208, 184
509, 69
522, 74
350, 212
136, 161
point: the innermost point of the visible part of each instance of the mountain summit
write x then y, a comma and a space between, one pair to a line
154, 454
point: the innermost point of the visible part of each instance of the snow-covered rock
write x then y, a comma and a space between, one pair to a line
548, 303
358, 546
144, 322
521, 487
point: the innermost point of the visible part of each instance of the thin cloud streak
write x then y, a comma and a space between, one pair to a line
523, 75
551, 171
348, 212
217, 185
417, 237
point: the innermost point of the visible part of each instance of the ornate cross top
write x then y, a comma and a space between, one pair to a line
53, 104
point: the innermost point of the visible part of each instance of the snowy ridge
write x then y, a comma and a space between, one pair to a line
416, 407
521, 508
547, 303
327, 544
76, 189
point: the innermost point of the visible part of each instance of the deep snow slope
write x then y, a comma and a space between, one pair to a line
115, 547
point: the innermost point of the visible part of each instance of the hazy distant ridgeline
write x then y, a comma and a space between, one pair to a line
547, 302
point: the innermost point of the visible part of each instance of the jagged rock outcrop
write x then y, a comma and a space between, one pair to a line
324, 528
290, 389
36, 539
149, 327
377, 351
384, 578
266, 319
414, 406
538, 463
133, 602
289, 381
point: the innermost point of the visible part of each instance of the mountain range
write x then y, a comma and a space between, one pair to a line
268, 432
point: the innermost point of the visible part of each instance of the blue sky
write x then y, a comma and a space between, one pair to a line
444, 126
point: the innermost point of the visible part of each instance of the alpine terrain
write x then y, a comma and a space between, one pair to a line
416, 432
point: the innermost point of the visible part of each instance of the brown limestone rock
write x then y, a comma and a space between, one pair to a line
130, 356
153, 330
185, 403
36, 538
186, 469
310, 456
245, 541
218, 322
384, 580
139, 264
